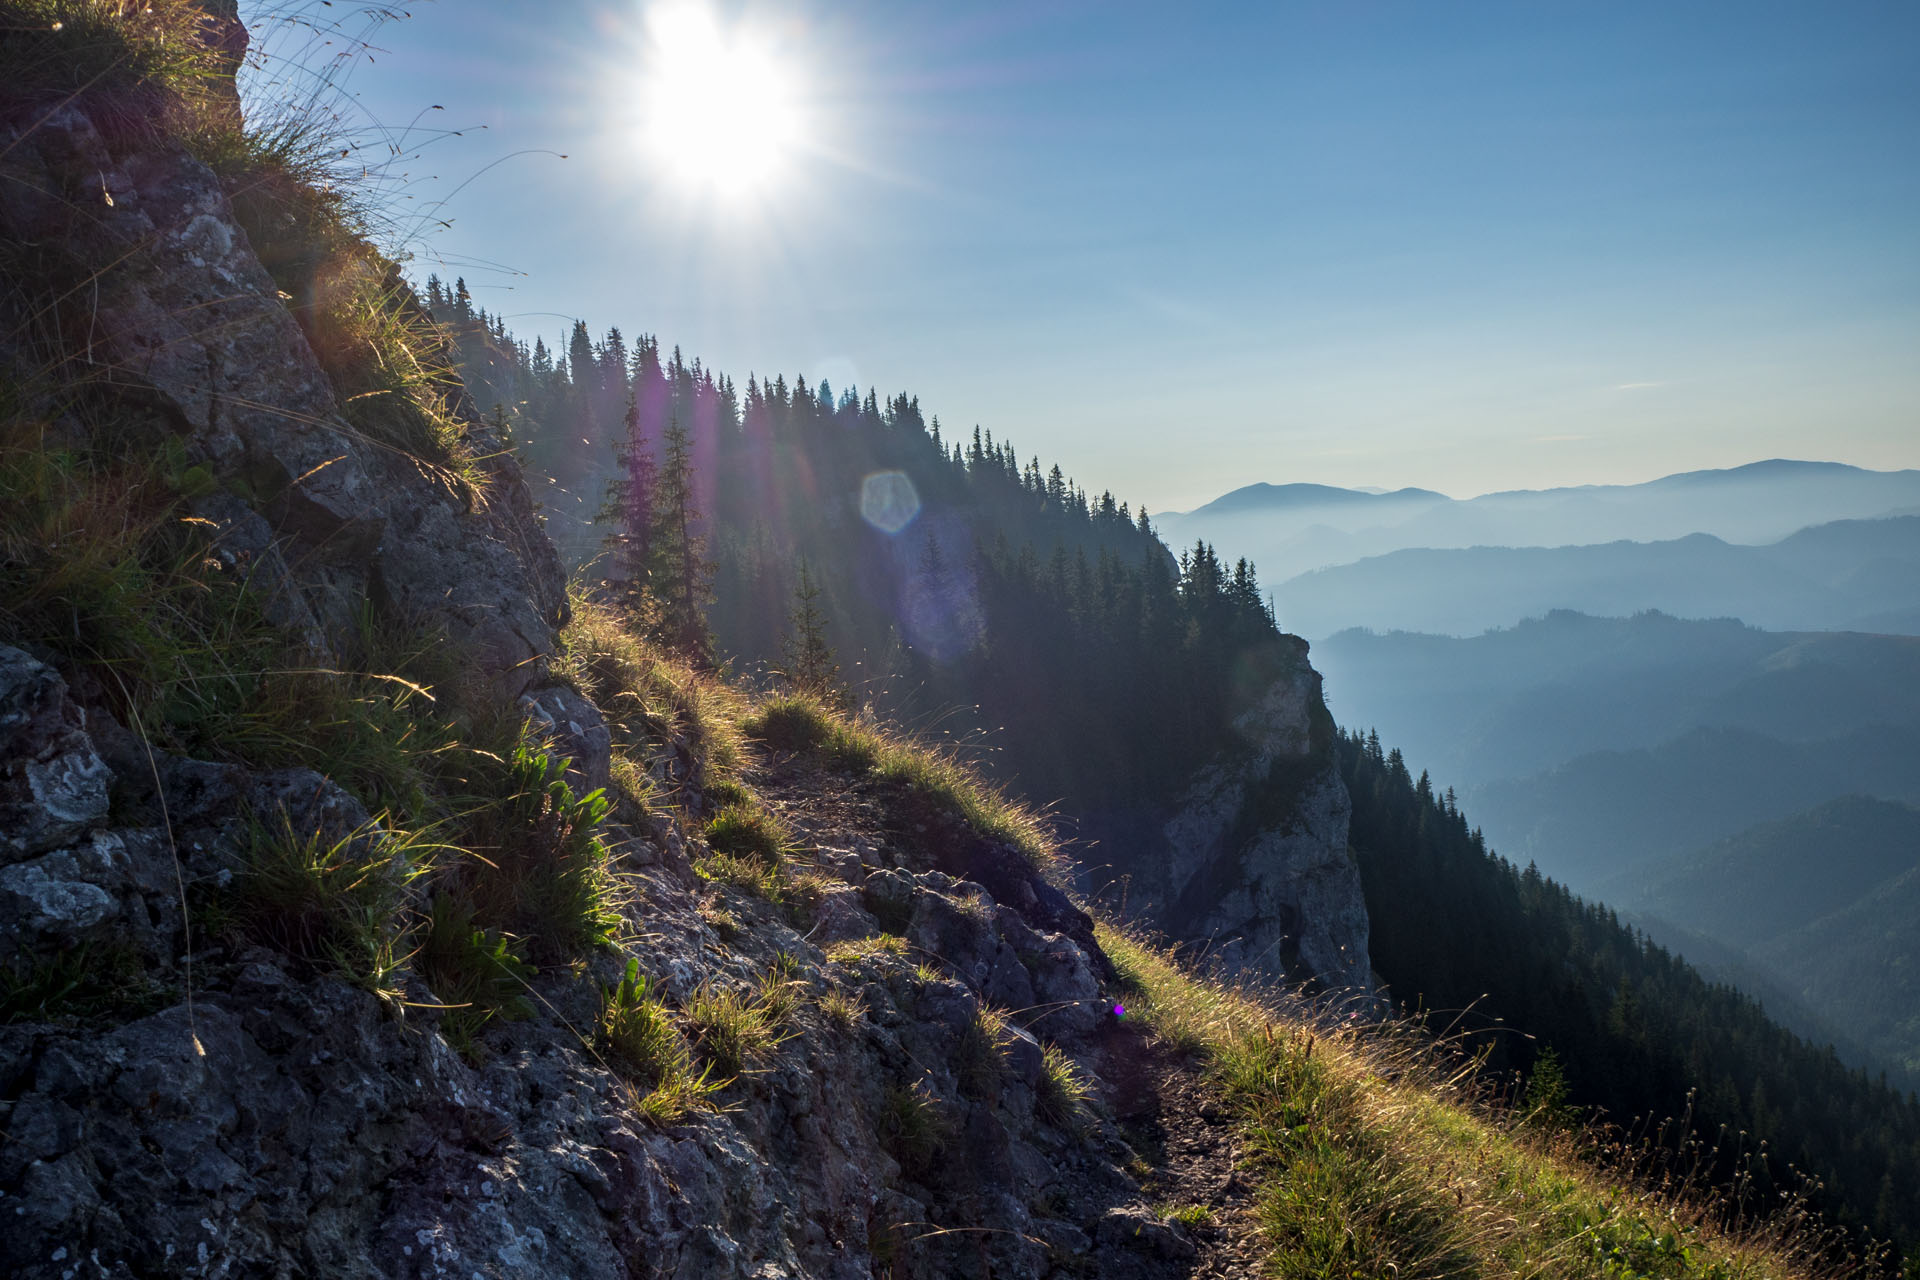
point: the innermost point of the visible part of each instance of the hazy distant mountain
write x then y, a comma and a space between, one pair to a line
1778, 876
1290, 529
1604, 813
1824, 903
1519, 701
1861, 967
1850, 575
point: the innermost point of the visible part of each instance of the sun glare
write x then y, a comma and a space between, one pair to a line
721, 109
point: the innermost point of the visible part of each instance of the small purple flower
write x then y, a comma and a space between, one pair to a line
1119, 1011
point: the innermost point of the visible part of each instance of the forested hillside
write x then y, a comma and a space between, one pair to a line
1003, 594
1822, 903
1637, 1031
955, 579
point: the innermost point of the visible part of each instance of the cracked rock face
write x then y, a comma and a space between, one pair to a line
188, 329
53, 785
1255, 863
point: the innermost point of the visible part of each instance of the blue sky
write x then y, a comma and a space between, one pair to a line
1184, 248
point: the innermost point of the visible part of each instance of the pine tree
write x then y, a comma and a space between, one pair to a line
810, 664
629, 510
681, 575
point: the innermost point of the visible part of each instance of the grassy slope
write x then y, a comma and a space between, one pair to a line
1378, 1156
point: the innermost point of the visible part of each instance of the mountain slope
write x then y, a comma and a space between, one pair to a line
1492, 949
1862, 963
1820, 904
1854, 575
1768, 880
1605, 813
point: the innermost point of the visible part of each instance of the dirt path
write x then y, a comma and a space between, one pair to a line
1186, 1136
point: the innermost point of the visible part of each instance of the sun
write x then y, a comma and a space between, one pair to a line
720, 109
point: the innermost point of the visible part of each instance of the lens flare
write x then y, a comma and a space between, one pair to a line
888, 501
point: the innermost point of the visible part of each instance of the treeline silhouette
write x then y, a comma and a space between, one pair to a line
1637, 1031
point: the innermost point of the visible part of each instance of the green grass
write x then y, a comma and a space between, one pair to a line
665, 716
746, 873
980, 1059
476, 972
1186, 1215
638, 1033
842, 1009
337, 905
915, 1127
931, 778
81, 984
747, 830
1063, 1092
1377, 1154
536, 865
863, 951
138, 64
733, 1030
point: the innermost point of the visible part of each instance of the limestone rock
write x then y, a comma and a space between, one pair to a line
1254, 862
53, 784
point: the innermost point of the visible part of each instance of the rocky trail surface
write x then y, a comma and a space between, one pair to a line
1171, 1128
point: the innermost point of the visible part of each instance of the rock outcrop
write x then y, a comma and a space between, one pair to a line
287, 1122
167, 310
1253, 866
179, 1098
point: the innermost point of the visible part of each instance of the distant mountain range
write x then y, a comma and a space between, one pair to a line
1290, 529
1824, 903
1524, 701
1850, 575
1745, 796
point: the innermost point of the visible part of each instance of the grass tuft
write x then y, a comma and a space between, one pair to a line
82, 984
747, 830
475, 972
537, 866
335, 905
842, 1009
1062, 1094
637, 1030
915, 1126
802, 724
733, 1030
860, 951
980, 1059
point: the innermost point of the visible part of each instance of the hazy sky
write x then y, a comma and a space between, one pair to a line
1180, 248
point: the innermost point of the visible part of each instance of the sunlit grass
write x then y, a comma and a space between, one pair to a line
1378, 1154
800, 723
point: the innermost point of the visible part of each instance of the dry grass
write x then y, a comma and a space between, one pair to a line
800, 723
653, 703
1379, 1154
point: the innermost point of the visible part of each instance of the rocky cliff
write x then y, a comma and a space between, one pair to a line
1253, 868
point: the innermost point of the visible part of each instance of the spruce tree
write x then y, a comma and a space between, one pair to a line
810, 665
629, 510
681, 575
